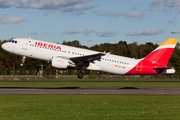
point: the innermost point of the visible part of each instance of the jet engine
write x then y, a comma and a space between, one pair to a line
61, 63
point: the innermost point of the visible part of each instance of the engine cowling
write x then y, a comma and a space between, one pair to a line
59, 63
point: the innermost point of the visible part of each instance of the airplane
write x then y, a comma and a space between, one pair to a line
173, 32
66, 57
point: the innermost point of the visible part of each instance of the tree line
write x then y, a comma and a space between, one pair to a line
10, 63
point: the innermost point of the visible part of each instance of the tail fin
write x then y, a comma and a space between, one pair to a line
162, 54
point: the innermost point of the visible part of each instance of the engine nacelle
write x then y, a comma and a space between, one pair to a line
59, 63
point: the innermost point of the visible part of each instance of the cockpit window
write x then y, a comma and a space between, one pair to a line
13, 41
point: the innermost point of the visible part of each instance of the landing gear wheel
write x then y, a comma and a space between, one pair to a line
80, 75
23, 60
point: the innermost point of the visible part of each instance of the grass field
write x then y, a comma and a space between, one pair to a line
89, 107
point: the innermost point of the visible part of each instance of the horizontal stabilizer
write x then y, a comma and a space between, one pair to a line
165, 70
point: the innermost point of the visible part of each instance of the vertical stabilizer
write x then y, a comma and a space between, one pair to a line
156, 62
162, 54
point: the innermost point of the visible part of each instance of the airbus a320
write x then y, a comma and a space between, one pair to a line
65, 57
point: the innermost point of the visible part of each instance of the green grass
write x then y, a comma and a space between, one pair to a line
90, 84
89, 107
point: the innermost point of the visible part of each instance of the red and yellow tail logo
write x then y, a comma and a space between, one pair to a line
162, 54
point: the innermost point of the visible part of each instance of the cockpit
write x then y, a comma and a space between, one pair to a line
13, 41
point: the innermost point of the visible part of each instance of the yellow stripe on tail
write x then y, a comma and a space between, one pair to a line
169, 41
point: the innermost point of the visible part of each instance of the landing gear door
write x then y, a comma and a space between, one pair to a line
25, 44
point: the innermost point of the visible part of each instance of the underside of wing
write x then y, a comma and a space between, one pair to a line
88, 58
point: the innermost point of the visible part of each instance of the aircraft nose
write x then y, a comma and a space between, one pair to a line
4, 46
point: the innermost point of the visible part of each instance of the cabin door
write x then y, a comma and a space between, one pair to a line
25, 44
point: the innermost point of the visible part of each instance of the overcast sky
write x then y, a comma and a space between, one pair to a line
90, 21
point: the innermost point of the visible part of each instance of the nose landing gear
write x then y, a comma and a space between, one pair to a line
23, 60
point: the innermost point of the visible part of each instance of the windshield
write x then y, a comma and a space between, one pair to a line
13, 41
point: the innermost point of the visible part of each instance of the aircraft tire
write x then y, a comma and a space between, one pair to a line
80, 75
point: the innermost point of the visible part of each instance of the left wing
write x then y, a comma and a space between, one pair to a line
88, 58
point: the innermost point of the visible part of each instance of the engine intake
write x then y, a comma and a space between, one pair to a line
61, 63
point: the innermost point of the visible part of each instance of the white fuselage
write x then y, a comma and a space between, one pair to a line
45, 51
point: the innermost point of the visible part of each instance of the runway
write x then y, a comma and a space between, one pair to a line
89, 91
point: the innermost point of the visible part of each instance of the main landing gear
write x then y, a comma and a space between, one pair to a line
23, 60
80, 75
